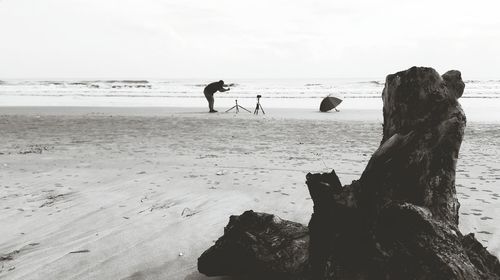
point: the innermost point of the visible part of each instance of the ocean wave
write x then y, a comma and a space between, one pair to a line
79, 83
378, 83
481, 81
131, 86
106, 84
312, 85
190, 95
124, 81
226, 85
87, 82
55, 83
183, 88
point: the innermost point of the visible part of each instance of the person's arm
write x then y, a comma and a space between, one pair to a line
223, 89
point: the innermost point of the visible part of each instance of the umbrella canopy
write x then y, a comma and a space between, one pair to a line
329, 103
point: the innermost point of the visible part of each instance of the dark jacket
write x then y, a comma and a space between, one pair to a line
212, 88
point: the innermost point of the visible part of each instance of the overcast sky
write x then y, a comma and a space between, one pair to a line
246, 39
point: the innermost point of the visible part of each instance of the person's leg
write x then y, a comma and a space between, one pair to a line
210, 99
211, 104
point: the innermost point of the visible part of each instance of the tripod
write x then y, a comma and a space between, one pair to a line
258, 106
237, 107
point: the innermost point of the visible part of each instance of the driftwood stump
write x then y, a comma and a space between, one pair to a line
398, 221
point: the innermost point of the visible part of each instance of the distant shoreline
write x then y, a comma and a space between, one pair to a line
366, 110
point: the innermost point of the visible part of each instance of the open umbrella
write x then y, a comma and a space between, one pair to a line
329, 103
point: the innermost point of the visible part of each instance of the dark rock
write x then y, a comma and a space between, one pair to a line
398, 221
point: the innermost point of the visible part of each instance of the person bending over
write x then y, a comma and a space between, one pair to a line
210, 90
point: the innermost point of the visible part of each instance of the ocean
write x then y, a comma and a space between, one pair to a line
189, 92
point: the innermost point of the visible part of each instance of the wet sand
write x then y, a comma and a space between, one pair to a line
93, 193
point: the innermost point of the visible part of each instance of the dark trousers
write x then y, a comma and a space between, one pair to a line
210, 99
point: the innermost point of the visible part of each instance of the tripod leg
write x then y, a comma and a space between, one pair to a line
262, 109
245, 109
230, 109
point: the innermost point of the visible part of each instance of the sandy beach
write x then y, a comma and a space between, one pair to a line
140, 193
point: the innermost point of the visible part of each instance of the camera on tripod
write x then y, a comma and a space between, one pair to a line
258, 106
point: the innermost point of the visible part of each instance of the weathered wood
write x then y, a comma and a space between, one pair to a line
257, 245
423, 129
398, 221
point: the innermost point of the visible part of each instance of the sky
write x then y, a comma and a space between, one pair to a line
246, 39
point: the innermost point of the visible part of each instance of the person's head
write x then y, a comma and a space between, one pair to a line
221, 83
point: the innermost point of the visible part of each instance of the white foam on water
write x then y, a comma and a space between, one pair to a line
481, 99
